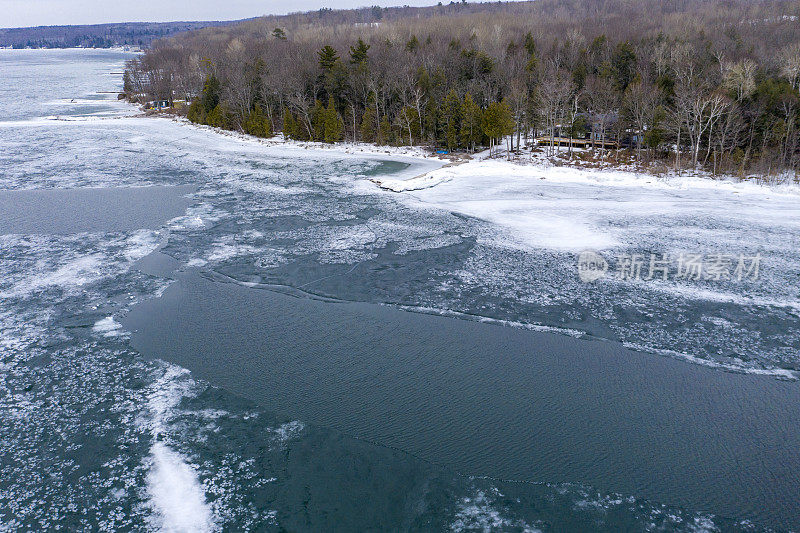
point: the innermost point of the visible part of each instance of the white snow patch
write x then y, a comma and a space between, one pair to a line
196, 262
140, 244
175, 495
108, 327
566, 208
288, 431
74, 273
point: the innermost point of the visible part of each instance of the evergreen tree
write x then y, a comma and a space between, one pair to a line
368, 120
211, 93
412, 44
471, 132
385, 131
318, 116
623, 66
327, 57
218, 117
497, 121
197, 113
333, 124
530, 44
450, 119
430, 121
289, 124
257, 123
358, 53
335, 81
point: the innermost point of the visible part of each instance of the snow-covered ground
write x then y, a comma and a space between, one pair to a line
574, 209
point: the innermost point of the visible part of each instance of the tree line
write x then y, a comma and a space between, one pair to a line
96, 35
697, 83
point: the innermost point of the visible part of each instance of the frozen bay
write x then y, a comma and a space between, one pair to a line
133, 431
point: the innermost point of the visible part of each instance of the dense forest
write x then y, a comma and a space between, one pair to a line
140, 34
691, 83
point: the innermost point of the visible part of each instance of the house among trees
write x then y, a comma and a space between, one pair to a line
586, 130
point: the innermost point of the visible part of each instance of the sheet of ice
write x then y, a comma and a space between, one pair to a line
573, 209
537, 218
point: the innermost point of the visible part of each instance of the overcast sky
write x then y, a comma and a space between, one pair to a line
21, 13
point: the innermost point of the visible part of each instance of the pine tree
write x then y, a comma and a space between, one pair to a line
368, 125
327, 57
530, 44
318, 121
218, 117
289, 124
450, 118
211, 93
358, 53
430, 121
385, 131
497, 121
197, 113
471, 132
623, 66
333, 124
257, 123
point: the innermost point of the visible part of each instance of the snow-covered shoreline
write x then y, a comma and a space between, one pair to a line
428, 170
575, 174
420, 161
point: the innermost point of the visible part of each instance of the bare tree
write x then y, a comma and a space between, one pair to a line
602, 102
789, 61
555, 91
639, 104
739, 77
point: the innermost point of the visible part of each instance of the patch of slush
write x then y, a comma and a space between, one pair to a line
175, 494
107, 327
476, 513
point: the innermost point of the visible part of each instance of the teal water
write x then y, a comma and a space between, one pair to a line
491, 400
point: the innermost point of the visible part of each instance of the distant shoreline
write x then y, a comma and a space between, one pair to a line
124, 48
98, 36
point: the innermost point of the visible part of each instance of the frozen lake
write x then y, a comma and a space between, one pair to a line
334, 397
